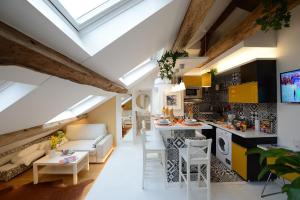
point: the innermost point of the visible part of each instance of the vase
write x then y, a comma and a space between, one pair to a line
52, 153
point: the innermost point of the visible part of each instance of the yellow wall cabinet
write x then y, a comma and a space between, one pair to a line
243, 93
192, 81
239, 160
198, 81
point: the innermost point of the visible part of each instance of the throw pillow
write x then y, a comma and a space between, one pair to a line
45, 145
27, 160
28, 150
6, 158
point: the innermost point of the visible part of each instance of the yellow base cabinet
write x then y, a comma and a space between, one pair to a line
239, 160
243, 93
248, 166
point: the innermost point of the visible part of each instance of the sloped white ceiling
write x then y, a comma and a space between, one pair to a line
55, 95
130, 49
52, 96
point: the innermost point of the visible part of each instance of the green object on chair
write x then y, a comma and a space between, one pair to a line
283, 163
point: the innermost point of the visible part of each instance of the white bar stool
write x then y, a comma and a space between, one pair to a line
198, 152
150, 135
156, 148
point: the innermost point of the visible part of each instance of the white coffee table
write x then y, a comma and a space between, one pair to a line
51, 165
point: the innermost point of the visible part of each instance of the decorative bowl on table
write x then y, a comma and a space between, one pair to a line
191, 122
67, 152
163, 122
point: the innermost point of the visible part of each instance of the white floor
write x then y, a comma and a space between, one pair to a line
122, 176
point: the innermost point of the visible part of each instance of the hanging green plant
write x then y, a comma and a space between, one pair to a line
274, 19
167, 63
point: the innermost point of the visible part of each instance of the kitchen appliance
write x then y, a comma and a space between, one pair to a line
223, 146
193, 93
290, 86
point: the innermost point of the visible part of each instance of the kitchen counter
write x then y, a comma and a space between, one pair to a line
249, 133
180, 126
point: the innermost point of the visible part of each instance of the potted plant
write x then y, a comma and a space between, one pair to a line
167, 63
285, 162
276, 15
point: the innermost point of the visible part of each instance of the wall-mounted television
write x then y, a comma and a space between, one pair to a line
290, 86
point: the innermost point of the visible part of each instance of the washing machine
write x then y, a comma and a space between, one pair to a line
223, 146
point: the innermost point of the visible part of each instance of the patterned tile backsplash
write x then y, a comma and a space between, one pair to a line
261, 111
214, 104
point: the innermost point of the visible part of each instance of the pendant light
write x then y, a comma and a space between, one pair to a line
181, 84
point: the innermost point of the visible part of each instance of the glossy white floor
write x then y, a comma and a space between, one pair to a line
122, 175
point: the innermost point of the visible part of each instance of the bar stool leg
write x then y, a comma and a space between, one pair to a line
144, 169
208, 180
188, 180
180, 171
163, 160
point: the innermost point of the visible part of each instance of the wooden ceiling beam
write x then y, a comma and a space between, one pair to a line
248, 5
224, 15
18, 49
194, 17
241, 32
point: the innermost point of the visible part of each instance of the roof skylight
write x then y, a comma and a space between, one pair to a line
141, 70
81, 13
11, 92
78, 108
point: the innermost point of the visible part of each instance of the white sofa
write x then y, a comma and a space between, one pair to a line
89, 137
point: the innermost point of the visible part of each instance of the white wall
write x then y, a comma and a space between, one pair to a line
289, 59
52, 96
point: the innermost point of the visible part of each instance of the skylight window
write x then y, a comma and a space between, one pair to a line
11, 92
78, 108
81, 13
141, 70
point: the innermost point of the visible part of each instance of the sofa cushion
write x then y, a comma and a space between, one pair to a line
45, 145
7, 158
27, 160
79, 145
85, 131
28, 150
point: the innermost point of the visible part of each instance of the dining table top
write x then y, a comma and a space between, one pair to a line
181, 126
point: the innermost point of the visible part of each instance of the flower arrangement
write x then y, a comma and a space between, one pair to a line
56, 139
167, 63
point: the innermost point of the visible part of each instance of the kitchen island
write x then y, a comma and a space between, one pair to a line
174, 136
238, 144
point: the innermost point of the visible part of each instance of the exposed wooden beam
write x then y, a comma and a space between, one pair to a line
224, 15
194, 17
248, 5
244, 30
18, 49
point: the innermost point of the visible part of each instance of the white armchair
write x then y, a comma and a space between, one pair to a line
89, 137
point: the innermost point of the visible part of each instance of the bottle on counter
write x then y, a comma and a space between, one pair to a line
257, 124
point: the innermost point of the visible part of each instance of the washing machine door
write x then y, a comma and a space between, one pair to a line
222, 144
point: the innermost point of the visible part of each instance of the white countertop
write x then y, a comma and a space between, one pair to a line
249, 133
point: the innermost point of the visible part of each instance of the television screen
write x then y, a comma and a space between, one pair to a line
290, 86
